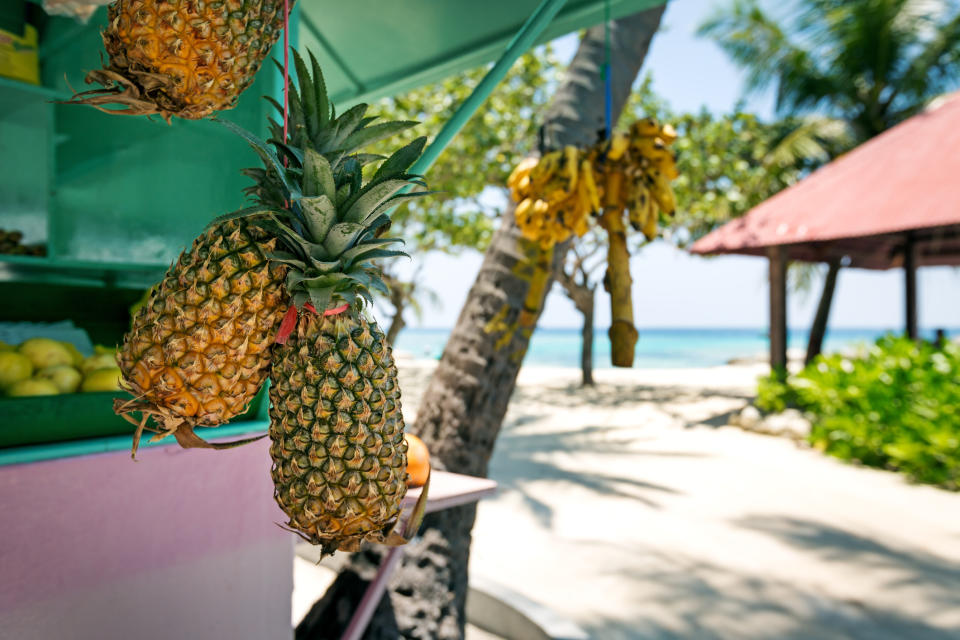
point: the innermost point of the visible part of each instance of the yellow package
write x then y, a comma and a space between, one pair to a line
18, 55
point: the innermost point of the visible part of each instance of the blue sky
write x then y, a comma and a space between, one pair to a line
675, 289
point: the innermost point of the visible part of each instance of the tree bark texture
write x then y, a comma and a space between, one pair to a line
583, 298
397, 324
464, 404
586, 344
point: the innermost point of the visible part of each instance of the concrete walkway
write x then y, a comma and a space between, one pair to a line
632, 510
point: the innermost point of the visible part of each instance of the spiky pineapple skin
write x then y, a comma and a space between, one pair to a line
191, 57
339, 457
199, 350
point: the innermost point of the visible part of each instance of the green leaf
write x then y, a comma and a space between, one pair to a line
320, 92
375, 254
350, 256
341, 237
343, 194
371, 197
320, 297
307, 94
396, 201
363, 137
346, 124
318, 176
402, 159
319, 215
262, 150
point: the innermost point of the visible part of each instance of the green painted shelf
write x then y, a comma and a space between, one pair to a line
80, 272
24, 92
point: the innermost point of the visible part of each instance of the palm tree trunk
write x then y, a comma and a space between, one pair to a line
586, 345
397, 324
463, 407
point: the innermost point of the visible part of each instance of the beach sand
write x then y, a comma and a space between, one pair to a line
631, 509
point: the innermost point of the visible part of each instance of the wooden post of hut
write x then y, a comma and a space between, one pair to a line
778, 309
910, 272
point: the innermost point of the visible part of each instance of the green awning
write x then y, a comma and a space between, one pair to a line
375, 48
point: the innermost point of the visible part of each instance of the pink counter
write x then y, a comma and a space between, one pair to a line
181, 544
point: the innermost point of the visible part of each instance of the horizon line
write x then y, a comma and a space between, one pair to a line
763, 328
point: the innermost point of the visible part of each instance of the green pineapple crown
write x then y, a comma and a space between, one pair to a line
329, 221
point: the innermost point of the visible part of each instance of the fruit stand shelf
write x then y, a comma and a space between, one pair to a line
80, 272
72, 448
16, 92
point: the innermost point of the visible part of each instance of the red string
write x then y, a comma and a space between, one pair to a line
290, 319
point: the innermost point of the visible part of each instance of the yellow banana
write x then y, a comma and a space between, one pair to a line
649, 227
618, 146
661, 191
524, 209
668, 133
572, 165
590, 185
545, 169
638, 206
521, 170
646, 127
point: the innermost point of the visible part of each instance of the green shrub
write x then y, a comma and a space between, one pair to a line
897, 407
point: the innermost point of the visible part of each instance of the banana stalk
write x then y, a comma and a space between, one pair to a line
623, 335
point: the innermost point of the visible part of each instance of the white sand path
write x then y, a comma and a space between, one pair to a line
632, 510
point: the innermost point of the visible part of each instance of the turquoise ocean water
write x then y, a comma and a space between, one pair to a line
657, 348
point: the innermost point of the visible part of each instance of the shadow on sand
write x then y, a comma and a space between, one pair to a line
690, 598
525, 456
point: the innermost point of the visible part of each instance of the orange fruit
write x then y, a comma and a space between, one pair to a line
418, 460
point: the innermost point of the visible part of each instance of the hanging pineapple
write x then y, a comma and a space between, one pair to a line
200, 348
336, 428
184, 58
634, 172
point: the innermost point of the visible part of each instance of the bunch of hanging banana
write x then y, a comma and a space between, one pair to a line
633, 170
555, 194
629, 172
647, 165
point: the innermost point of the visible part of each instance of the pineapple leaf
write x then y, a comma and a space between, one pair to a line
320, 297
299, 280
371, 197
368, 158
351, 256
370, 281
347, 124
374, 254
343, 193
320, 259
373, 229
244, 213
402, 159
319, 215
299, 299
262, 150
320, 89
309, 97
318, 176
396, 201
363, 137
300, 265
341, 237
294, 155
